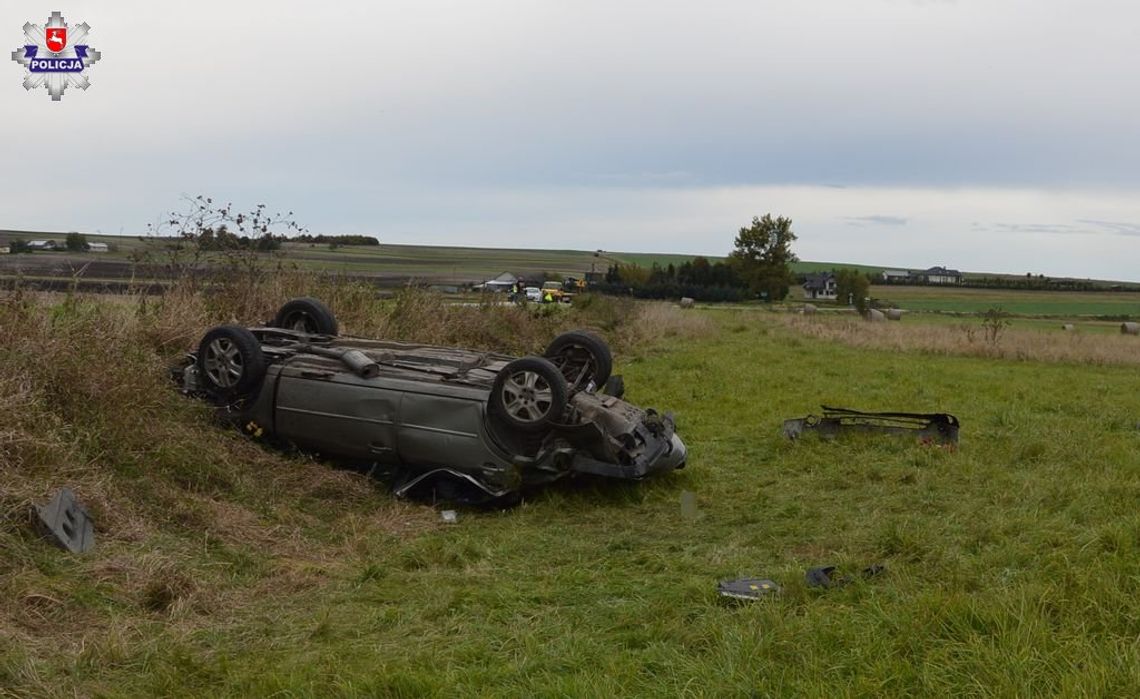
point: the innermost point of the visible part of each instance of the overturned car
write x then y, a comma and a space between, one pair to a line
436, 422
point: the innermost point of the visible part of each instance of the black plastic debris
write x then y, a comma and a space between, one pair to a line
929, 428
825, 576
67, 522
747, 588
615, 386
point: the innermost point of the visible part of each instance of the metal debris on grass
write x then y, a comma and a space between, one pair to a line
66, 522
747, 588
929, 428
825, 576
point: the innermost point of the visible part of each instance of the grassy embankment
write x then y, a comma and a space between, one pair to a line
224, 568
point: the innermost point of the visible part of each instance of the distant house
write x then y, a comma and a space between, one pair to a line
940, 275
98, 247
44, 245
503, 282
820, 285
896, 276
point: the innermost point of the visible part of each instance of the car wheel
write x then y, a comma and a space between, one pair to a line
307, 315
230, 362
529, 394
583, 359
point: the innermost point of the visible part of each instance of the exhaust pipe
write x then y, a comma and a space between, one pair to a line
357, 361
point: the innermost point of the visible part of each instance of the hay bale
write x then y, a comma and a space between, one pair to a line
808, 309
687, 302
875, 316
1130, 328
1068, 327
894, 314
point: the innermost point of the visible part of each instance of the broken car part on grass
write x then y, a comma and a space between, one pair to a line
928, 428
438, 423
828, 576
747, 588
66, 522
751, 589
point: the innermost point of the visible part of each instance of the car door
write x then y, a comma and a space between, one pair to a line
337, 414
442, 430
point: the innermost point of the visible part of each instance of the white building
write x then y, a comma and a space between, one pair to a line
941, 275
820, 285
504, 282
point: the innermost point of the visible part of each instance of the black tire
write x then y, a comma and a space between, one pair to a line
583, 358
230, 362
615, 386
529, 394
308, 315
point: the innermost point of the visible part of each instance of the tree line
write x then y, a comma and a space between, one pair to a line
698, 279
759, 266
321, 239
221, 238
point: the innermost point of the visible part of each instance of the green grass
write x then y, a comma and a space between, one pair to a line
806, 266
1013, 564
1046, 325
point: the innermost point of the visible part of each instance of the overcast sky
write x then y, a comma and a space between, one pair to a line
988, 135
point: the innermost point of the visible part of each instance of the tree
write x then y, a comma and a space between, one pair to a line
210, 238
763, 256
995, 321
76, 242
853, 285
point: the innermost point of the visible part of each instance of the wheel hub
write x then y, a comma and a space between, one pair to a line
223, 363
527, 396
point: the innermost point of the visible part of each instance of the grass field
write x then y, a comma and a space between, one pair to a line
437, 262
1012, 564
393, 265
1051, 325
1061, 304
427, 262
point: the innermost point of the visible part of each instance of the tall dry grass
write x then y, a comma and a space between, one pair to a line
87, 403
172, 322
628, 326
658, 321
971, 340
